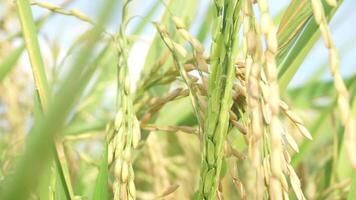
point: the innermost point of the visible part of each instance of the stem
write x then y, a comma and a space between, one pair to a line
219, 96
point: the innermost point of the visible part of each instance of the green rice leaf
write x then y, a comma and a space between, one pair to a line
29, 32
9, 62
297, 42
101, 186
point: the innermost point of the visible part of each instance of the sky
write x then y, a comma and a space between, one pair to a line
342, 26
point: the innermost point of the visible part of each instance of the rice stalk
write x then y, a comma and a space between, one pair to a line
60, 10
219, 96
254, 184
127, 133
178, 50
277, 185
343, 95
261, 79
199, 61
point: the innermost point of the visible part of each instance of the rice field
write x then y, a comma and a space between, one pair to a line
168, 99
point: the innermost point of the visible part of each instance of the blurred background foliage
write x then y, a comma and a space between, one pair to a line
80, 67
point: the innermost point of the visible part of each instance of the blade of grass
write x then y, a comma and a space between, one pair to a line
9, 62
293, 19
29, 32
352, 193
101, 186
298, 48
62, 170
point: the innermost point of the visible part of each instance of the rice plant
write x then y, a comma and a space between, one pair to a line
167, 99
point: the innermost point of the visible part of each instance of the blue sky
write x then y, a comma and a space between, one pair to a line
342, 26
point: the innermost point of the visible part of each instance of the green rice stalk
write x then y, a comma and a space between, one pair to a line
219, 95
